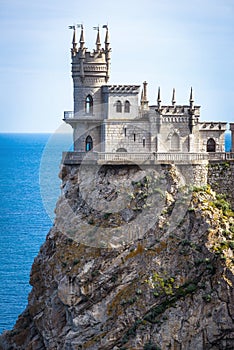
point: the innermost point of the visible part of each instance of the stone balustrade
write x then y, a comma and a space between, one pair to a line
70, 158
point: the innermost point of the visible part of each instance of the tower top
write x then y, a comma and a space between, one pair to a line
90, 68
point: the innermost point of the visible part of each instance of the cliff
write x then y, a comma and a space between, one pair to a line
136, 259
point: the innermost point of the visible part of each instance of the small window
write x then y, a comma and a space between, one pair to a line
134, 137
119, 107
125, 131
88, 143
143, 142
127, 107
89, 105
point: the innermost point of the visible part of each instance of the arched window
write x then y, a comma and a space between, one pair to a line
127, 107
89, 105
143, 141
175, 142
119, 107
211, 145
88, 143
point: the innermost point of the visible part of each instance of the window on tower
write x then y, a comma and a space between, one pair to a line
119, 107
88, 143
127, 107
89, 105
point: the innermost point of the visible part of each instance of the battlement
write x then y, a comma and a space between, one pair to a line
176, 109
213, 126
123, 89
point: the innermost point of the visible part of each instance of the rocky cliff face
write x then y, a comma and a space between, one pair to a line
136, 260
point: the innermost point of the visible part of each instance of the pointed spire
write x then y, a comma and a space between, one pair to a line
173, 98
74, 41
191, 95
82, 42
145, 90
191, 99
98, 41
144, 101
159, 98
107, 38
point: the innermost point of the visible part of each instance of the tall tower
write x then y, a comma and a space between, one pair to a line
90, 71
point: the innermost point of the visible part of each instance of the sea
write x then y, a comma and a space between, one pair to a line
29, 189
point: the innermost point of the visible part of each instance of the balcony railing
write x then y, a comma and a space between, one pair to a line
142, 158
68, 115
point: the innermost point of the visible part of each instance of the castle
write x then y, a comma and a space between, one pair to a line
114, 123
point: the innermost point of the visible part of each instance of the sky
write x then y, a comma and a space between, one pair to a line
168, 43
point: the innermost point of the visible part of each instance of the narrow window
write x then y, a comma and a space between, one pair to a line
125, 131
143, 141
134, 137
88, 143
127, 107
119, 107
89, 105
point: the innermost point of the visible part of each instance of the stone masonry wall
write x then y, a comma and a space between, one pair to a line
221, 178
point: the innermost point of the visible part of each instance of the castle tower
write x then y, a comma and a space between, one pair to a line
90, 71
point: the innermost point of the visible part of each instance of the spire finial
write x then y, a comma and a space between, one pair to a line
107, 38
82, 42
98, 41
145, 91
191, 99
173, 98
142, 97
144, 102
74, 41
159, 98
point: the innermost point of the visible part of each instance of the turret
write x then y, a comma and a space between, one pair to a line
90, 71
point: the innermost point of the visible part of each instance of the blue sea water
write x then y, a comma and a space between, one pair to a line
26, 160
29, 188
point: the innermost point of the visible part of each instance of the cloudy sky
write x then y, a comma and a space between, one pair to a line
168, 43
